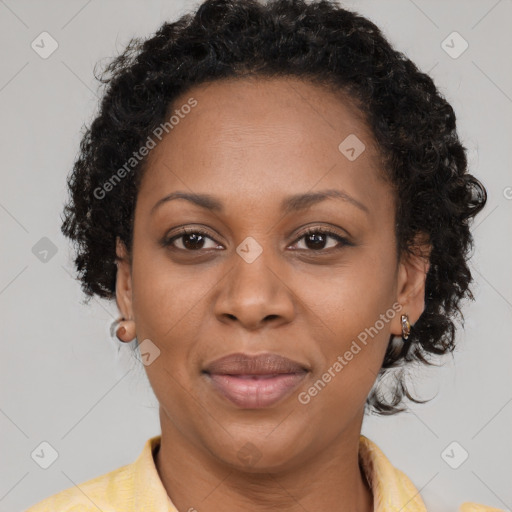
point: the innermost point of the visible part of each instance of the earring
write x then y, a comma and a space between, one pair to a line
123, 330
406, 327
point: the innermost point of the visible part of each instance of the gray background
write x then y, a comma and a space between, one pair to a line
62, 379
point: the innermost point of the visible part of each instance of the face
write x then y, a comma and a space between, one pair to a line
262, 273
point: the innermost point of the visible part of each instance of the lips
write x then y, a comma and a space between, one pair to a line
256, 381
260, 364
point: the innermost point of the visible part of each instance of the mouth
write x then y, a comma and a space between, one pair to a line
255, 382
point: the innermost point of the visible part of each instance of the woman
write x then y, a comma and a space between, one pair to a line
280, 205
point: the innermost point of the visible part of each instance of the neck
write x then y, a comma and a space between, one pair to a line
197, 480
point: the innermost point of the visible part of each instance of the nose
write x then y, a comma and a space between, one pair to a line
255, 294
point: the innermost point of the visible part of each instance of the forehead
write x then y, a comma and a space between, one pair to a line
258, 138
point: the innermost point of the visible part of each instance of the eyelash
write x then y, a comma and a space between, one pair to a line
168, 242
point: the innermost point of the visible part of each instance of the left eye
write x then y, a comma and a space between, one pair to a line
316, 239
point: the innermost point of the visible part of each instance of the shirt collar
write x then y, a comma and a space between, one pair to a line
392, 490
149, 491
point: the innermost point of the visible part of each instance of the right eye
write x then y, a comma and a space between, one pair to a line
191, 240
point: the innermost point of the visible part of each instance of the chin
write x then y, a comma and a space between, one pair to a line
259, 452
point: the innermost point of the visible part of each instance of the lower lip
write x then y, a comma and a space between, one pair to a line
256, 392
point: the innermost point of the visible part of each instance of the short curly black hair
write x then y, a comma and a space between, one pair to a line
413, 125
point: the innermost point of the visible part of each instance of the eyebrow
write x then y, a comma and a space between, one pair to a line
290, 204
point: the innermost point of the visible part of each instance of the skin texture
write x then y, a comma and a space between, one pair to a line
251, 143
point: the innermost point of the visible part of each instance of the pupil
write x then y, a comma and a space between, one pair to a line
315, 238
193, 244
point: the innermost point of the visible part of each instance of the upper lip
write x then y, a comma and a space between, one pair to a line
260, 364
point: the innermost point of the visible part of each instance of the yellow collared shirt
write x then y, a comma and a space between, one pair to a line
137, 487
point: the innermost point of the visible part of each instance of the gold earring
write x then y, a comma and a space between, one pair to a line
122, 330
406, 327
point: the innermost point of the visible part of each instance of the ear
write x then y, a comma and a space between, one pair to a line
123, 281
411, 277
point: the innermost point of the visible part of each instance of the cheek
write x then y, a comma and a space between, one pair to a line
355, 309
164, 294
167, 305
353, 295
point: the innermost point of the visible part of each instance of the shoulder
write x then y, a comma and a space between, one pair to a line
478, 507
391, 487
99, 493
